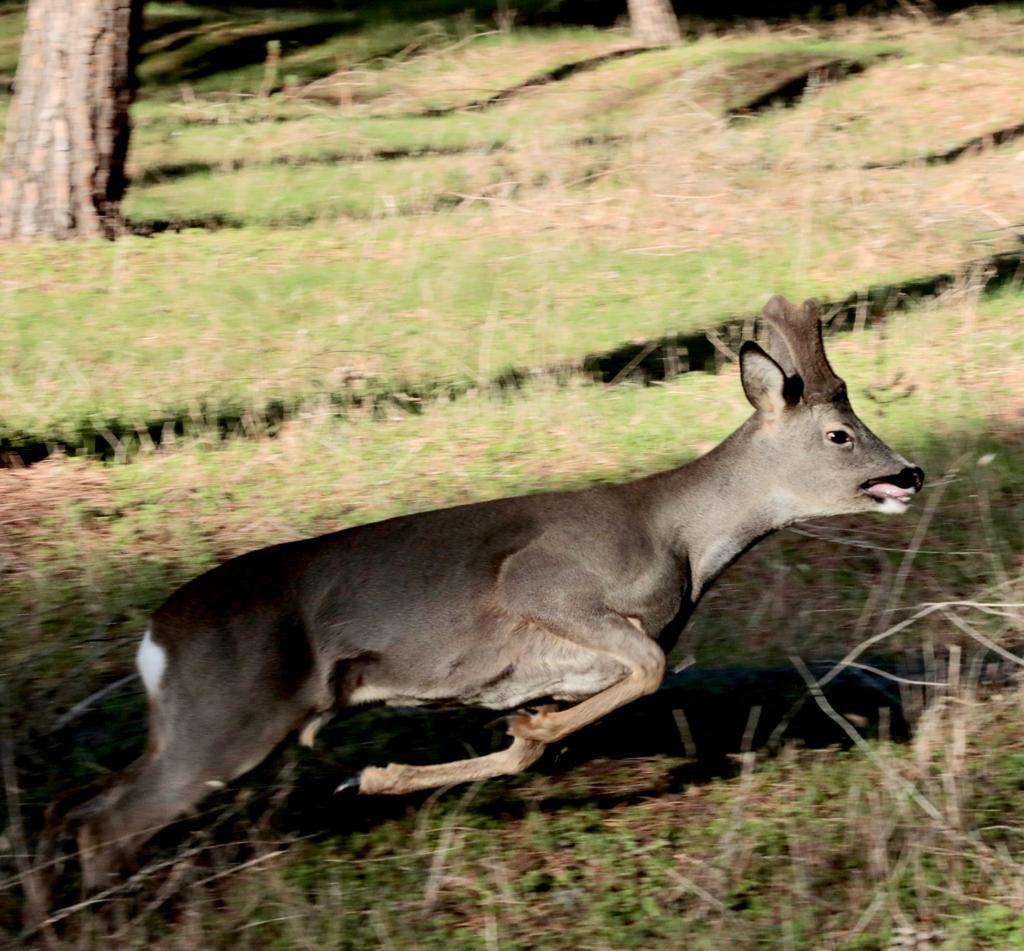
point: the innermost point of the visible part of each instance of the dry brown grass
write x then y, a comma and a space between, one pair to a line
912, 107
689, 180
35, 500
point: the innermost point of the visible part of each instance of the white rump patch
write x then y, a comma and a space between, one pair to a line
151, 661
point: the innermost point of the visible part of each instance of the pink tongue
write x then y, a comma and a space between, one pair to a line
883, 490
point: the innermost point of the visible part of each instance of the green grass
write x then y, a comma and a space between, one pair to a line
912, 94
813, 846
224, 132
148, 328
181, 323
11, 19
222, 135
356, 276
255, 196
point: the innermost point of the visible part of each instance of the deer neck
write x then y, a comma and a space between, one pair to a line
713, 509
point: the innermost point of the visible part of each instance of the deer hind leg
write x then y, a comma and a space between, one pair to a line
396, 778
199, 741
165, 783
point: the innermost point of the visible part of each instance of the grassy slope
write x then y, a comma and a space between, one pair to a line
171, 514
91, 548
323, 310
689, 219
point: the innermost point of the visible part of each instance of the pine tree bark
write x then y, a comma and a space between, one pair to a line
68, 127
654, 22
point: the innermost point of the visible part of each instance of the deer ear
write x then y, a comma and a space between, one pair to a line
766, 386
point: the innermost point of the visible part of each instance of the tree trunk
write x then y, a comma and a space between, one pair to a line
68, 127
654, 22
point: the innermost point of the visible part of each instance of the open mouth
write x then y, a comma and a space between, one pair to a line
888, 491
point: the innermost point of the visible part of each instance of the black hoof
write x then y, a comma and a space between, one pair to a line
349, 786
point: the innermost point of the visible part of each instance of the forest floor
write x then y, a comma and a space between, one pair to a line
377, 276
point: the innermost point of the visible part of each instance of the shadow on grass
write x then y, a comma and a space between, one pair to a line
222, 54
156, 28
548, 76
790, 90
685, 735
157, 174
645, 362
974, 146
291, 795
701, 715
218, 221
664, 357
590, 12
147, 227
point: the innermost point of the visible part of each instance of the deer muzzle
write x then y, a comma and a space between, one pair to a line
900, 487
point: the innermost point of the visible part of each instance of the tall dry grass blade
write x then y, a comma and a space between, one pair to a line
446, 841
970, 631
898, 783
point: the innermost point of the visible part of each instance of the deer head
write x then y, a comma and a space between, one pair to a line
814, 448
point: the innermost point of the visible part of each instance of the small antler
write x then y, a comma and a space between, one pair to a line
794, 341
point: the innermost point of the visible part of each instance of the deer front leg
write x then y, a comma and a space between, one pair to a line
396, 778
641, 656
570, 604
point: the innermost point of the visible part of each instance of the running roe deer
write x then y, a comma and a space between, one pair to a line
570, 596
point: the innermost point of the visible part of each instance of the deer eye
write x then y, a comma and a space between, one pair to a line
839, 436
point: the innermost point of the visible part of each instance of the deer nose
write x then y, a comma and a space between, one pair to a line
912, 476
